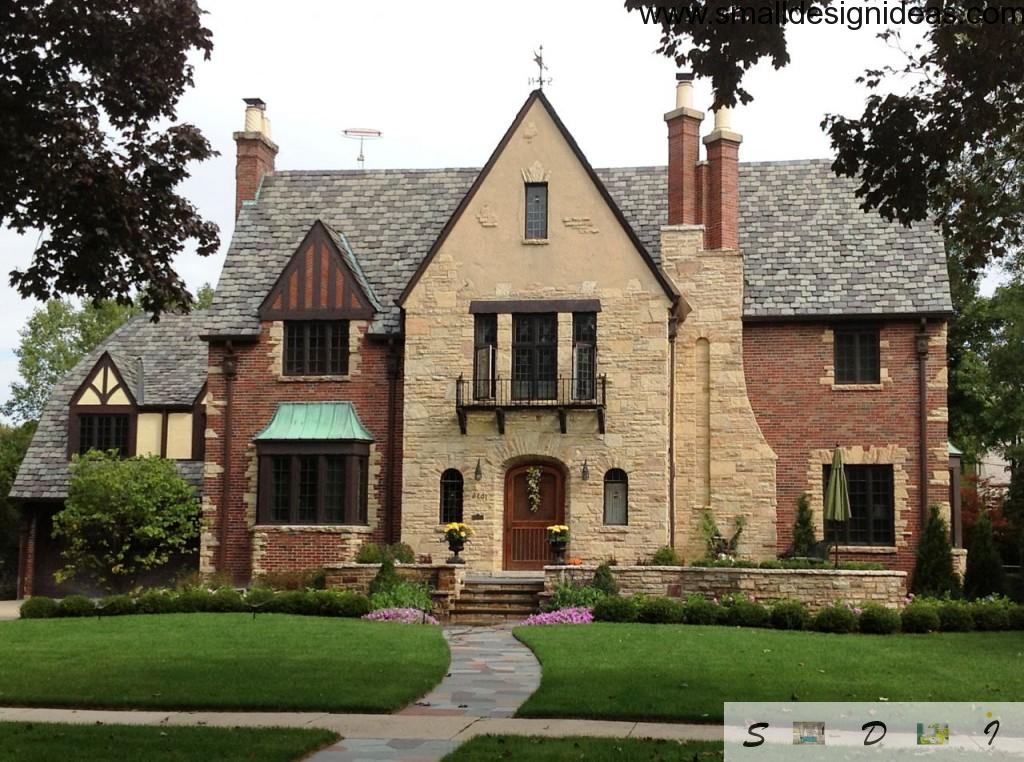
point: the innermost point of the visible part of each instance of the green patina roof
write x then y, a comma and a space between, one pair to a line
954, 450
315, 420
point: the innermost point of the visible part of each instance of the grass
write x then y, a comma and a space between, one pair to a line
219, 661
41, 742
686, 673
540, 749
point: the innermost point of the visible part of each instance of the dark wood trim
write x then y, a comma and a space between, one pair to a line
538, 95
892, 317
313, 447
104, 360
483, 307
163, 434
354, 509
229, 338
74, 424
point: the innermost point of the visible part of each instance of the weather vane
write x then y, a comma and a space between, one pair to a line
541, 80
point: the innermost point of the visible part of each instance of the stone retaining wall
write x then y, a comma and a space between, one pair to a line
813, 587
445, 580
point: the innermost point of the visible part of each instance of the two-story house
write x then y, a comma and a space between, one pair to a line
621, 350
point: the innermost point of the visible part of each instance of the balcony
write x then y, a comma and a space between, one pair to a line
500, 395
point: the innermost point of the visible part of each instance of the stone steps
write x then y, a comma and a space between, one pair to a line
493, 601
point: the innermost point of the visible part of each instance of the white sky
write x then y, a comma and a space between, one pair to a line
444, 79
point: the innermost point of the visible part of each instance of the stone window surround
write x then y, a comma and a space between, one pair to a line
275, 343
828, 377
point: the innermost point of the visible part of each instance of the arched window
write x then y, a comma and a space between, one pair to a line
451, 496
616, 497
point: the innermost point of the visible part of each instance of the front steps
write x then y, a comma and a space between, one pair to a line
496, 600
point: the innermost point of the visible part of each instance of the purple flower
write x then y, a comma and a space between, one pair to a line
405, 616
577, 615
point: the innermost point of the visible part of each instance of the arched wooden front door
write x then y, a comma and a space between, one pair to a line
526, 541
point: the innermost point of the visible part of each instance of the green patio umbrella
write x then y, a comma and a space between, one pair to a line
837, 495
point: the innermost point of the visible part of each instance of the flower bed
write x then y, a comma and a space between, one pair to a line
575, 615
403, 615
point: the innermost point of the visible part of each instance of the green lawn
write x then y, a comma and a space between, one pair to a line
219, 661
35, 742
539, 749
680, 672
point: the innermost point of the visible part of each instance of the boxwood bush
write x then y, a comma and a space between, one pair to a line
836, 618
876, 619
39, 607
156, 602
789, 615
76, 605
699, 610
343, 603
615, 608
570, 596
666, 556
991, 614
657, 609
920, 617
955, 616
117, 605
740, 611
225, 599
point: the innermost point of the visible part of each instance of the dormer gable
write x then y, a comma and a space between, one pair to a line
321, 280
104, 386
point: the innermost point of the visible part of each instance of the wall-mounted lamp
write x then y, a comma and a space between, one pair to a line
585, 474
479, 473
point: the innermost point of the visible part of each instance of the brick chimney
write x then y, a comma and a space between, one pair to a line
722, 185
256, 152
684, 201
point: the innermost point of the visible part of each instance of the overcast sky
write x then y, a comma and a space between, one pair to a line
443, 80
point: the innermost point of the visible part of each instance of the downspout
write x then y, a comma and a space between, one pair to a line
394, 369
229, 366
922, 395
673, 331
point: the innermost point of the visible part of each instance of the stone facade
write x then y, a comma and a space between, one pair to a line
813, 587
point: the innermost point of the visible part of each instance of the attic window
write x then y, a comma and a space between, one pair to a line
316, 348
536, 211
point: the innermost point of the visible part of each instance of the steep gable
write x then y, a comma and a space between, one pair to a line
105, 386
322, 280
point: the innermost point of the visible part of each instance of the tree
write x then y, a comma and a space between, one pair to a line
933, 570
951, 146
985, 574
14, 442
55, 338
124, 517
204, 297
90, 156
804, 535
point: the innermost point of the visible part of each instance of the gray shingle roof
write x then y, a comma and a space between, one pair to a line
809, 250
172, 371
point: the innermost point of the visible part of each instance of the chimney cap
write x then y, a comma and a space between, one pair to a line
255, 103
684, 76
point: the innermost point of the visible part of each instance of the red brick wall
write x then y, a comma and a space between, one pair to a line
683, 155
784, 365
257, 392
722, 191
255, 158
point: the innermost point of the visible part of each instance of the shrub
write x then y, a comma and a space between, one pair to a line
985, 574
260, 597
933, 570
789, 615
920, 617
991, 614
225, 599
303, 579
657, 609
370, 553
117, 605
604, 581
740, 611
568, 596
876, 619
955, 616
666, 556
156, 602
39, 607
341, 603
615, 608
289, 602
402, 552
192, 599
699, 610
836, 618
76, 605
387, 578
1017, 617
803, 528
404, 595
1015, 587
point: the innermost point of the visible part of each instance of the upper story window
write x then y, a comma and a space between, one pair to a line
872, 508
857, 356
536, 211
451, 496
535, 356
104, 432
316, 348
584, 355
485, 350
307, 487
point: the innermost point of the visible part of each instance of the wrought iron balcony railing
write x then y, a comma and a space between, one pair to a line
501, 394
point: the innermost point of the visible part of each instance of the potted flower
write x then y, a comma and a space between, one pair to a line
457, 535
558, 538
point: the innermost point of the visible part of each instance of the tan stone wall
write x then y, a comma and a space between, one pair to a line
587, 255
445, 580
723, 462
813, 587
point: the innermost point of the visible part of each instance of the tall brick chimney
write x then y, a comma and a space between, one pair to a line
684, 201
256, 152
722, 185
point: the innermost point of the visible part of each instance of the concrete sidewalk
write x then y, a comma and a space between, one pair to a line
10, 609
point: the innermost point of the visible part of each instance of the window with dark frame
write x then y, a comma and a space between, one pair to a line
536, 211
535, 356
857, 355
310, 488
316, 347
451, 496
103, 432
616, 497
485, 351
872, 507
584, 355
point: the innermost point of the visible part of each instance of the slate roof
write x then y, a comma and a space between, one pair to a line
809, 250
162, 363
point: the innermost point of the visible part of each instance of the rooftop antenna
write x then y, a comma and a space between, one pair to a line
361, 134
540, 80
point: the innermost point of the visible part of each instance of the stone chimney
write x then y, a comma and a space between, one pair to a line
722, 185
684, 200
256, 152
